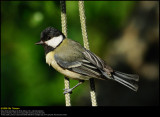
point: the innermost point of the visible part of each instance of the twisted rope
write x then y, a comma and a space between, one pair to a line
86, 45
64, 31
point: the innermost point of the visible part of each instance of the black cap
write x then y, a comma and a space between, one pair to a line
49, 33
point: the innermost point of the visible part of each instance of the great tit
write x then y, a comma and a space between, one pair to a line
74, 61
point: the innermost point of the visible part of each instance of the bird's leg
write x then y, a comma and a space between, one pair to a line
70, 90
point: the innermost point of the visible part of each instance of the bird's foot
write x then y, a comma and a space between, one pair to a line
67, 91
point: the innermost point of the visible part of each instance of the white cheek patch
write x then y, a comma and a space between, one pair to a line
55, 41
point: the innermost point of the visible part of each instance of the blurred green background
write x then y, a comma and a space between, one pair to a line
124, 34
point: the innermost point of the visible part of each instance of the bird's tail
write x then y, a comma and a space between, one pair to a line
129, 80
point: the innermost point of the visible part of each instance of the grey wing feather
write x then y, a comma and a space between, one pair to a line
86, 71
66, 64
98, 62
94, 59
81, 66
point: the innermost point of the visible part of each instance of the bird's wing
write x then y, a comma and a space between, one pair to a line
79, 65
99, 63
95, 60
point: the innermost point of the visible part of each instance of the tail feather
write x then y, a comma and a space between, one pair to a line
129, 80
134, 77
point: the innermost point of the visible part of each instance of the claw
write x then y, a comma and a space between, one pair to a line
67, 91
70, 90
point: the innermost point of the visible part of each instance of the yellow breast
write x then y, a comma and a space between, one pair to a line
51, 61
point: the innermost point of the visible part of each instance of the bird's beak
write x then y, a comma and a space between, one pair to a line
40, 43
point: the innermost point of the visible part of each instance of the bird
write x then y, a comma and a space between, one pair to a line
74, 61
